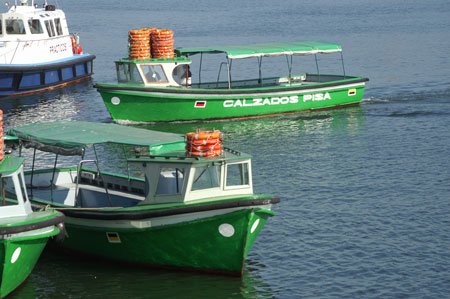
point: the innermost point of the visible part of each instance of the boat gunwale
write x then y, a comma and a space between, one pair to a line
47, 65
182, 90
38, 223
125, 213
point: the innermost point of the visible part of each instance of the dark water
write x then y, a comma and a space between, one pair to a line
365, 190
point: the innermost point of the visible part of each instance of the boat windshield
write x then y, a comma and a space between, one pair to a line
206, 177
128, 73
154, 73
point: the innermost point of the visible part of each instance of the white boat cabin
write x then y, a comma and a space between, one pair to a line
154, 72
31, 34
14, 199
184, 180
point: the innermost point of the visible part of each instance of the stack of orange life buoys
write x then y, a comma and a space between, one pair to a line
204, 143
162, 43
139, 43
2, 142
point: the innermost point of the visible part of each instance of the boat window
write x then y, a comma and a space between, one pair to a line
154, 73
170, 181
8, 194
179, 73
58, 26
50, 28
15, 27
237, 174
128, 73
206, 177
1, 27
35, 26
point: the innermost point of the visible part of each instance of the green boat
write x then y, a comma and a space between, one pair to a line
160, 90
23, 232
134, 196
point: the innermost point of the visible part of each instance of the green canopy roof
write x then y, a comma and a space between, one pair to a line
70, 137
272, 49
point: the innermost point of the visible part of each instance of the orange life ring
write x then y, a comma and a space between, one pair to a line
203, 148
200, 135
211, 141
204, 154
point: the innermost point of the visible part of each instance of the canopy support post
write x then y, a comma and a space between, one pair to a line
259, 67
200, 70
128, 165
32, 172
53, 178
342, 60
289, 68
105, 184
317, 66
229, 62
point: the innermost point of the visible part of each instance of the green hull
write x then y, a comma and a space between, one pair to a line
20, 253
149, 104
203, 244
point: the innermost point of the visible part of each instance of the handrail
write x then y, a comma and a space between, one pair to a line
78, 180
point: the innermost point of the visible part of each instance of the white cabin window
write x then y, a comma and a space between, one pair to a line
128, 73
14, 27
35, 26
237, 175
50, 28
154, 73
206, 177
58, 26
8, 194
170, 181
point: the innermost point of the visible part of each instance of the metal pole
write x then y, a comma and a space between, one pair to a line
342, 60
200, 70
289, 67
259, 67
317, 65
229, 61
32, 172
105, 184
53, 177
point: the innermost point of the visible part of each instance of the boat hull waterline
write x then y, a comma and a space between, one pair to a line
147, 104
27, 79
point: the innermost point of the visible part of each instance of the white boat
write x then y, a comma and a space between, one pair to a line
37, 52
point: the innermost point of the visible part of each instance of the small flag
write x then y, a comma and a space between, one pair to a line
113, 237
200, 104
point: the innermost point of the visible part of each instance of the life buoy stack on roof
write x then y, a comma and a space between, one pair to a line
2, 142
139, 43
204, 143
162, 43
148, 43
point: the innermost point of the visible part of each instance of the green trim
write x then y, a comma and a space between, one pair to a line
154, 60
11, 164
